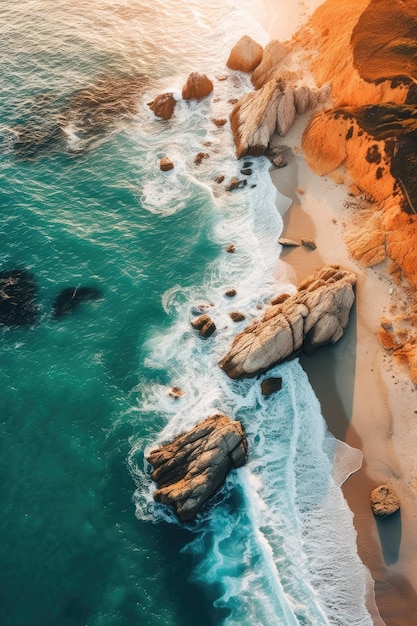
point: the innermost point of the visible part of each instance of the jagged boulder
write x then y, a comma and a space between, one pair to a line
190, 469
163, 106
268, 68
245, 55
259, 114
197, 86
316, 315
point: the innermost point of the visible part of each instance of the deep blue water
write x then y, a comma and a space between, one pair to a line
84, 203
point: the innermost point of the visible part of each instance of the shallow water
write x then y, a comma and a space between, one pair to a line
85, 204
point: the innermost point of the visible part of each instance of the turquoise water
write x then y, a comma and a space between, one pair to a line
84, 203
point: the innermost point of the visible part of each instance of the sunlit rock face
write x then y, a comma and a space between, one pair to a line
314, 316
367, 51
245, 55
384, 41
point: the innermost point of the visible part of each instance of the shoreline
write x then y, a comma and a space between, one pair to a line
367, 399
354, 380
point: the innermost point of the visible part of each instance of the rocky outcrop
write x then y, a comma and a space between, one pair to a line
205, 325
259, 114
197, 86
268, 69
384, 501
246, 55
163, 106
190, 469
316, 315
271, 109
165, 164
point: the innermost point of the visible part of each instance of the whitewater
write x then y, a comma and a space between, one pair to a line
85, 399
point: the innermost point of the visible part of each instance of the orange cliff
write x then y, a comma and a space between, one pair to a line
369, 56
365, 55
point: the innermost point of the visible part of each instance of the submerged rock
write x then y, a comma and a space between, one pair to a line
316, 315
70, 298
17, 297
190, 469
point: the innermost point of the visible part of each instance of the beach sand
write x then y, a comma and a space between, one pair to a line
364, 396
367, 399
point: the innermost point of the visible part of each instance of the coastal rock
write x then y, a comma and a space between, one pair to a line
197, 86
230, 293
289, 243
305, 99
231, 248
237, 316
365, 238
236, 183
190, 469
384, 501
163, 106
219, 179
308, 243
279, 162
205, 325
259, 114
165, 164
200, 156
17, 297
246, 55
316, 315
268, 69
271, 385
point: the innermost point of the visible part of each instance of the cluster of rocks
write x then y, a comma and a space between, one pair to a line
190, 469
273, 107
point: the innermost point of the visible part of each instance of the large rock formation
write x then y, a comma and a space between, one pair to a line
245, 55
271, 109
190, 469
316, 315
259, 114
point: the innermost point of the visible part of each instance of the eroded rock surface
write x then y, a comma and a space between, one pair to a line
316, 315
271, 109
163, 106
190, 469
384, 501
197, 86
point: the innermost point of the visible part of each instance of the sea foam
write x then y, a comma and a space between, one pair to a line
277, 543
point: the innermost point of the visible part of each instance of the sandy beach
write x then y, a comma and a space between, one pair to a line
367, 399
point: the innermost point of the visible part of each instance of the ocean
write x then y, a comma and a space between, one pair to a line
86, 395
